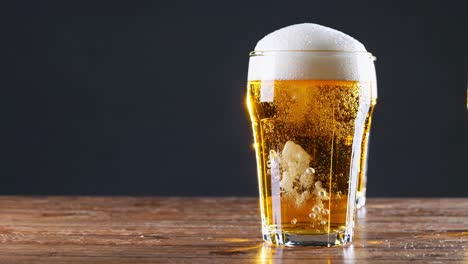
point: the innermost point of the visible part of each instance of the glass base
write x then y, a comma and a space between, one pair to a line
287, 239
360, 199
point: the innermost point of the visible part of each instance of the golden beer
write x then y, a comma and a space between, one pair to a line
306, 134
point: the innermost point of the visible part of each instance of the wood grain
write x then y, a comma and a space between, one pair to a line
218, 230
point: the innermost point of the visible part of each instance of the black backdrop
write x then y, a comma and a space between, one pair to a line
146, 97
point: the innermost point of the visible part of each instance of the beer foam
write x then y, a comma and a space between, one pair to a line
309, 36
285, 54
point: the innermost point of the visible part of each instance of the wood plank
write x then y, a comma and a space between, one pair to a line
218, 230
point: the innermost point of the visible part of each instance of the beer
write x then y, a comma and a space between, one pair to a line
304, 145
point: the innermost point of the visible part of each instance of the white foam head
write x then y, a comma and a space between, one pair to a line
286, 54
309, 36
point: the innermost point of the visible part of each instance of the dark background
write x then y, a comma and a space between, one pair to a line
146, 97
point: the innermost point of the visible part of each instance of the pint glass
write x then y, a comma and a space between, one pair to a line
310, 113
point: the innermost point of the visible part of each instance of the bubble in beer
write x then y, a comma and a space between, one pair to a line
312, 215
325, 211
294, 221
316, 209
323, 222
268, 171
322, 194
310, 170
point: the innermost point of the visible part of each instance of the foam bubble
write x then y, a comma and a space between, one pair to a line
338, 56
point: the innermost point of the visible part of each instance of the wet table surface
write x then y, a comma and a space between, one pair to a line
218, 230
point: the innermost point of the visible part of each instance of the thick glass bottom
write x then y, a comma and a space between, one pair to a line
281, 238
361, 199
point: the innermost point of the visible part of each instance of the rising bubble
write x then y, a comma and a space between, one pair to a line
310, 170
316, 209
322, 194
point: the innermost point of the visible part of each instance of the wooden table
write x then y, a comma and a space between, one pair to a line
217, 230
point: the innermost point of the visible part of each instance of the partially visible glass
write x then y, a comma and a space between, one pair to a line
310, 113
362, 181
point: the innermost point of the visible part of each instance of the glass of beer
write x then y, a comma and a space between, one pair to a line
310, 112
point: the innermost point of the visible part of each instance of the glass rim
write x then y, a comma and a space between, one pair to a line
322, 52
